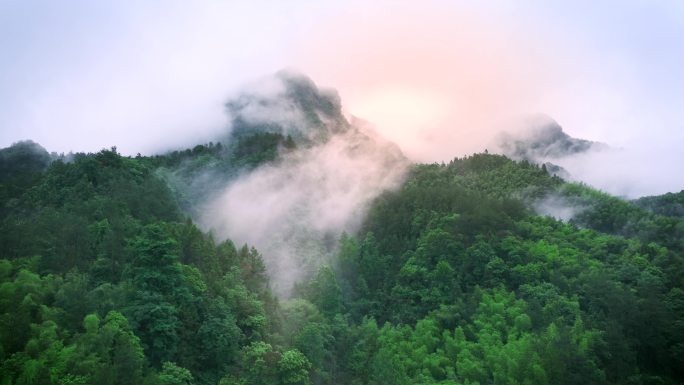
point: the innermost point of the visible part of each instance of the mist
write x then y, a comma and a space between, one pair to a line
625, 172
440, 79
628, 172
444, 80
295, 209
559, 207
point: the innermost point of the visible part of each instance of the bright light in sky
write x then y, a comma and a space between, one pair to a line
438, 77
409, 112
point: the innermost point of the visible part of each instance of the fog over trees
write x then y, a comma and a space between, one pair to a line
299, 247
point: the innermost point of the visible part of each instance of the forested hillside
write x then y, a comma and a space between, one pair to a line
103, 281
485, 270
452, 279
469, 192
670, 204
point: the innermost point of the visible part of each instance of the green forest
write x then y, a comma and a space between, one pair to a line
453, 278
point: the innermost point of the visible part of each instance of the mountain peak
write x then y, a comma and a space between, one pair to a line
290, 104
543, 138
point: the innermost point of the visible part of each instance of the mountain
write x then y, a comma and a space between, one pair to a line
543, 139
366, 270
292, 156
288, 104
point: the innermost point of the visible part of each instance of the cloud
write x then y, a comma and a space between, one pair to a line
625, 172
439, 78
542, 139
294, 210
444, 79
558, 206
143, 77
628, 173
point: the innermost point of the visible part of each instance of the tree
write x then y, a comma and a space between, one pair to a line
259, 366
172, 374
293, 368
154, 267
325, 292
108, 352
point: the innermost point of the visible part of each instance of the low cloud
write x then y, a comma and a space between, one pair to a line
442, 79
438, 78
558, 207
295, 209
628, 172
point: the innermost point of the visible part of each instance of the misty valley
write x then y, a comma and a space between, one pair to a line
301, 247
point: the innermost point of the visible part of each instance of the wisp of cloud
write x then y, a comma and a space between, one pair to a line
295, 209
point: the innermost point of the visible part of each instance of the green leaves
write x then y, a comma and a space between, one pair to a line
293, 368
172, 374
324, 292
451, 280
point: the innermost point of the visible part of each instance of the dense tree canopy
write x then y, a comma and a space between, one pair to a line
452, 279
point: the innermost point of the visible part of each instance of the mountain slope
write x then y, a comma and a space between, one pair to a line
670, 204
292, 175
386, 272
479, 289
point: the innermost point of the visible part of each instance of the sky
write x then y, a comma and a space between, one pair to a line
439, 78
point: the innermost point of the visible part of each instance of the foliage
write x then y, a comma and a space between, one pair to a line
452, 279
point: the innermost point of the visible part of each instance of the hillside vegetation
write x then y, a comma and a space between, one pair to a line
452, 279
